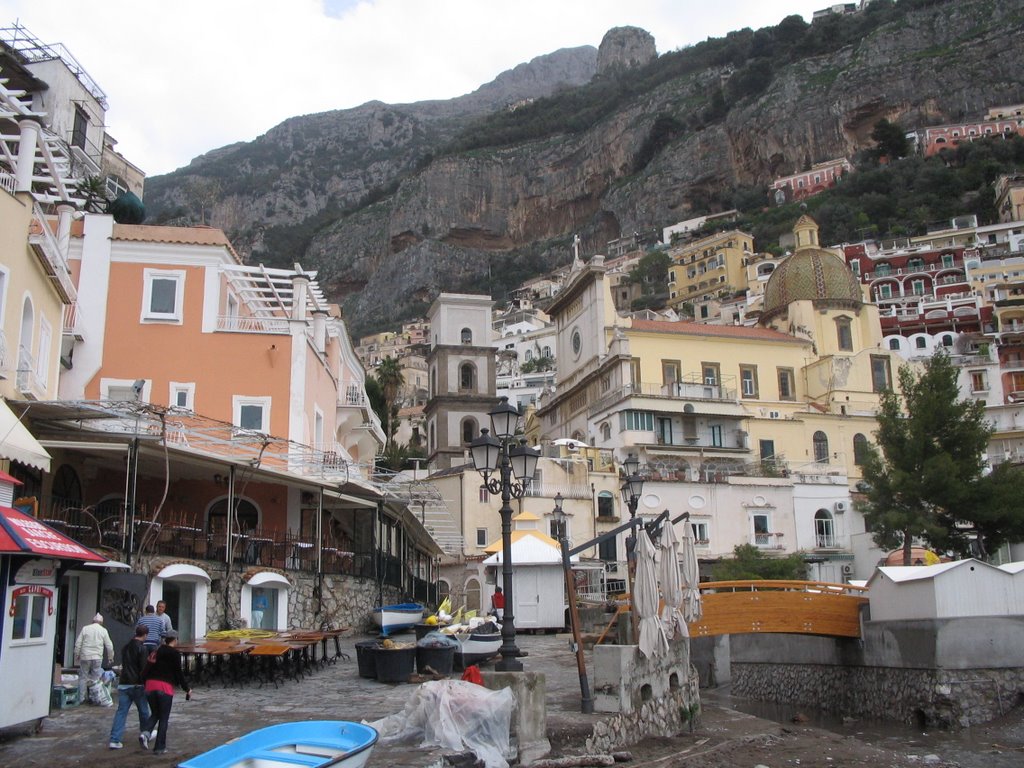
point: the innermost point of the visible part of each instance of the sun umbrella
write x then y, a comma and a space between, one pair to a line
692, 608
645, 593
671, 583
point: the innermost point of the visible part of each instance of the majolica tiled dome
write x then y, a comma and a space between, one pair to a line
811, 273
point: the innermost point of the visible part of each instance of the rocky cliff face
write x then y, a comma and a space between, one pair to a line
389, 225
624, 48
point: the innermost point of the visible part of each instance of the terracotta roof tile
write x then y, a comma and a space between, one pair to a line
690, 328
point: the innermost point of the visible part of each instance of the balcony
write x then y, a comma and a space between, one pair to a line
44, 245
74, 323
28, 382
691, 388
770, 540
252, 324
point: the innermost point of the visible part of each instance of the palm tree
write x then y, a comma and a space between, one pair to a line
389, 376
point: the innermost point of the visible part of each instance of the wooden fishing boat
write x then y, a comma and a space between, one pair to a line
307, 744
477, 645
392, 618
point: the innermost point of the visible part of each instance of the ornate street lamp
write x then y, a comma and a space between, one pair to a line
632, 489
499, 452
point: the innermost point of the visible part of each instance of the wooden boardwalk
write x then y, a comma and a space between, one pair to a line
792, 607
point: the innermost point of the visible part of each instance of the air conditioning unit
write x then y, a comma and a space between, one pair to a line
847, 570
841, 506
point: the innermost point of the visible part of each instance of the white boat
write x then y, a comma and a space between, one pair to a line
391, 618
477, 645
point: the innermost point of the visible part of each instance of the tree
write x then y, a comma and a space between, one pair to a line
926, 472
389, 376
749, 562
890, 139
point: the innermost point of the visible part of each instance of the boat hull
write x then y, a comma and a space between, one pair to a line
306, 744
393, 618
477, 647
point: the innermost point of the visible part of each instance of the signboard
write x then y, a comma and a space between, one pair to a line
38, 571
31, 589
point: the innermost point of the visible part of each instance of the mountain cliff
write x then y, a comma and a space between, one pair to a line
393, 203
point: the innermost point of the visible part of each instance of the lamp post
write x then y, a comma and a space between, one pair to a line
499, 452
586, 700
632, 488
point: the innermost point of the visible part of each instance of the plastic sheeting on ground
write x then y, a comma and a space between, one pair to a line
457, 716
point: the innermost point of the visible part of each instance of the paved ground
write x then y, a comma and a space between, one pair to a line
78, 736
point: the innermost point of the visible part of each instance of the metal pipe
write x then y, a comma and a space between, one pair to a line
586, 700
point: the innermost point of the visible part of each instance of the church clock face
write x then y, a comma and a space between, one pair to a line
577, 343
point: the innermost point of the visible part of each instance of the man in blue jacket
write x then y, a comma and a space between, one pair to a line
131, 689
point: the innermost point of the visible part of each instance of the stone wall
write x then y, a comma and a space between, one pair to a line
647, 696
337, 600
925, 697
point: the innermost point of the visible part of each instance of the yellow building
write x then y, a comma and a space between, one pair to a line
709, 267
757, 431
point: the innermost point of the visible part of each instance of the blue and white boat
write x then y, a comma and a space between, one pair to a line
307, 744
391, 618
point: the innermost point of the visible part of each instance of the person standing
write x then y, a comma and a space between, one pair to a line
259, 605
161, 611
161, 677
93, 641
154, 626
498, 603
131, 690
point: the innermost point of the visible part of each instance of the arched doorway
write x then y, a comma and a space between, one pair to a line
185, 589
472, 594
264, 602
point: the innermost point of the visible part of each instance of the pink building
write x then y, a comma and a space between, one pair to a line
804, 184
939, 137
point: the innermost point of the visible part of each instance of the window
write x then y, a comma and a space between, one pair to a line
947, 259
467, 376
884, 291
748, 380
607, 550
577, 343
860, 449
638, 420
670, 372
605, 504
606, 431
915, 264
882, 269
116, 186
29, 616
79, 131
247, 516
716, 435
547, 352
712, 374
163, 295
766, 448
467, 336
759, 525
183, 395
947, 340
468, 430
920, 342
704, 311
894, 344
529, 355
481, 537
484, 496
43, 358
787, 390
820, 441
844, 334
634, 372
881, 376
824, 534
251, 413
917, 287
979, 381
700, 532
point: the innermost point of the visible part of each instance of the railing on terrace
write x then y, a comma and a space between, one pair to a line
688, 390
252, 324
73, 320
770, 540
27, 380
549, 490
8, 182
44, 243
826, 541
733, 438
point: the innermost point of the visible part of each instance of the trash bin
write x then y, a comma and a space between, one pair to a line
365, 659
423, 629
394, 665
439, 658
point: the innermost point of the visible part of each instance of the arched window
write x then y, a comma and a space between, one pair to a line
467, 376
606, 431
66, 485
894, 344
547, 351
820, 447
469, 431
605, 504
247, 517
844, 334
947, 340
467, 336
860, 449
472, 594
920, 342
824, 532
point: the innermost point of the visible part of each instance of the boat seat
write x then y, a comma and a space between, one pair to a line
290, 758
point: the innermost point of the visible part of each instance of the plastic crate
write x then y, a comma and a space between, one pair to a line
62, 698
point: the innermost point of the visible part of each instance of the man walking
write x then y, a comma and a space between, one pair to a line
93, 641
131, 689
154, 626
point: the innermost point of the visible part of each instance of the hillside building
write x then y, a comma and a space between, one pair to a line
712, 267
804, 184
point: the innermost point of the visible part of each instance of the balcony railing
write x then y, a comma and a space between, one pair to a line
45, 245
251, 324
771, 540
27, 381
825, 541
692, 389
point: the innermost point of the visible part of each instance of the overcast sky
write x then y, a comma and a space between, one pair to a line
183, 77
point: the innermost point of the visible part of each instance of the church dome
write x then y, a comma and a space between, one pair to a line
811, 273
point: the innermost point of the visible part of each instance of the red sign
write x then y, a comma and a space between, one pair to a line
32, 589
22, 533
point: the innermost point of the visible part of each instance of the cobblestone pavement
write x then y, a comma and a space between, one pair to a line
78, 736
